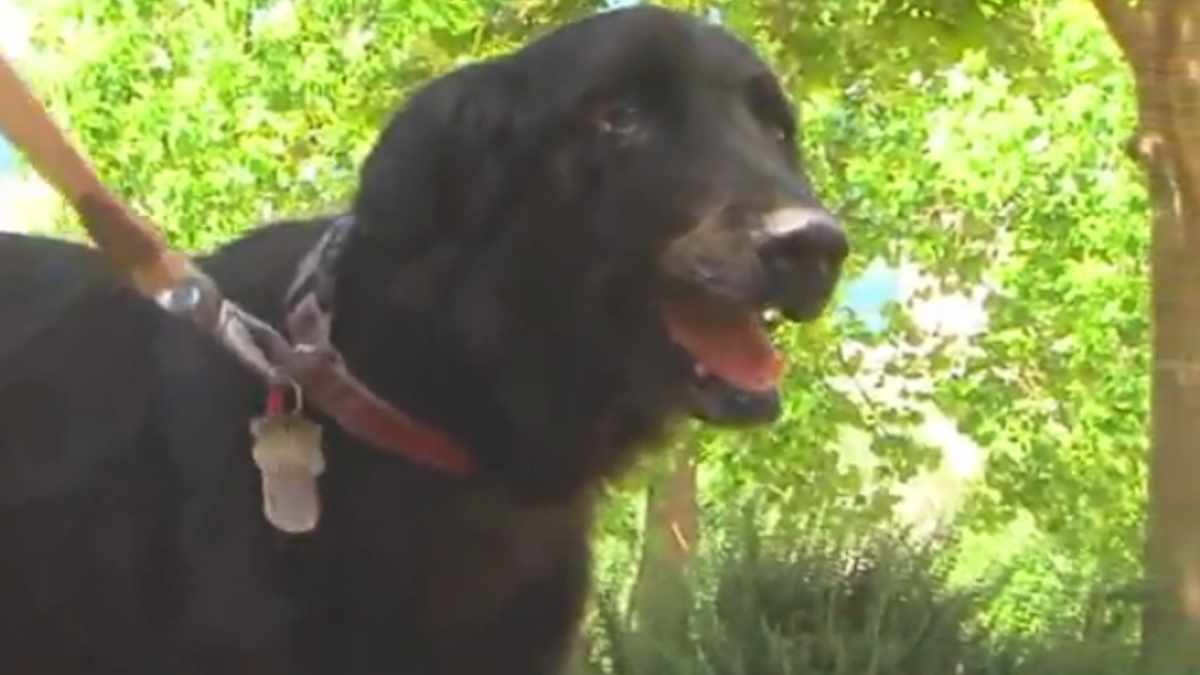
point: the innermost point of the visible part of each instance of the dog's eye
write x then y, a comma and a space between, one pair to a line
618, 117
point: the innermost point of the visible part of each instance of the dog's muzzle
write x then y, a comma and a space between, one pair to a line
802, 250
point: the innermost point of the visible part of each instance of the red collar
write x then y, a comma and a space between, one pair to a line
336, 393
312, 364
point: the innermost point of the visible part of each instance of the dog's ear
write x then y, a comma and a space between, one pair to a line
428, 191
440, 160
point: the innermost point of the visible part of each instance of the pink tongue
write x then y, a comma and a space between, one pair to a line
732, 347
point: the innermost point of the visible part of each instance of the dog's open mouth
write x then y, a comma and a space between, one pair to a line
726, 342
737, 368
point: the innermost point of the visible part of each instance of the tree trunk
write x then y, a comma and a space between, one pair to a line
1161, 41
669, 540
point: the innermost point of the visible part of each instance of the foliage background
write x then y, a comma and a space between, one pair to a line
976, 145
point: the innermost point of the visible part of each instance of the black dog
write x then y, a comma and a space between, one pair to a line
553, 256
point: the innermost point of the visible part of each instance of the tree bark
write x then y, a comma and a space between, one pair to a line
1161, 41
669, 540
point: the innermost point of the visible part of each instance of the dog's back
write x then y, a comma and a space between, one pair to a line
75, 397
91, 377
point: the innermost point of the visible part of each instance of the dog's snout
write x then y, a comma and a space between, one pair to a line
812, 234
803, 250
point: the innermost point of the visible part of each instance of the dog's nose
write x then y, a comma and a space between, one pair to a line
803, 250
805, 233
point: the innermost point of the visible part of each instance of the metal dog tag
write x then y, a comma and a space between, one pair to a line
287, 450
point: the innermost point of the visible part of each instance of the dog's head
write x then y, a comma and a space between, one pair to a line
611, 210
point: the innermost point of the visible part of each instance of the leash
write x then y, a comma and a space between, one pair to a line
133, 245
287, 448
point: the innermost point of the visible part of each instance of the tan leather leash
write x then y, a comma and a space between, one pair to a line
134, 245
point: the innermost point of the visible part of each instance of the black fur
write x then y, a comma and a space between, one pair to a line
520, 223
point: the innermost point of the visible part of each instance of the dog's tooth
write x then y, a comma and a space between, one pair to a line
770, 315
700, 370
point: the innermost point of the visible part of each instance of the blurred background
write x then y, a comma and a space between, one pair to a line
958, 485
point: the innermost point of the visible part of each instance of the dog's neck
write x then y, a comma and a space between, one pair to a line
548, 433
564, 442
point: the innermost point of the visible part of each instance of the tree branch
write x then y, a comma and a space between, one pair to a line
1125, 24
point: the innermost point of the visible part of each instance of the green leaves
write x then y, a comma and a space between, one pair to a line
1000, 188
214, 116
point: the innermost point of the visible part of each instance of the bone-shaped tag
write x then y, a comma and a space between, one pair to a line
287, 450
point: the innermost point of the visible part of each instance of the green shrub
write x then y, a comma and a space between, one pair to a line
776, 606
